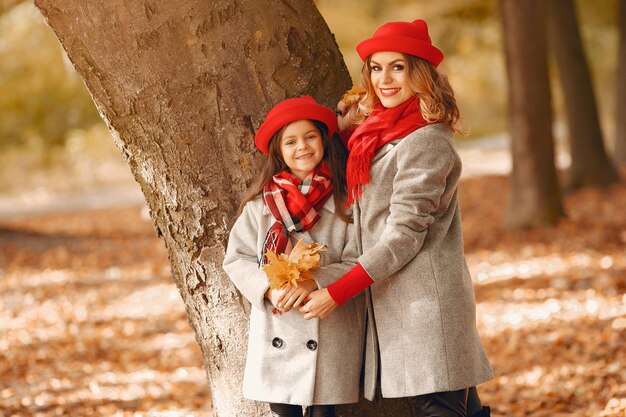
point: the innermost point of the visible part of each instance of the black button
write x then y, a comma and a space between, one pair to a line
277, 342
311, 345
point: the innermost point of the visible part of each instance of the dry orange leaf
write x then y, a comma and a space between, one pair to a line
280, 272
306, 255
353, 95
287, 270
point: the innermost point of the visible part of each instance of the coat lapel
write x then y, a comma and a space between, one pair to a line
385, 150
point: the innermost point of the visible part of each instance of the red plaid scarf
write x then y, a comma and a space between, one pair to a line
295, 205
382, 126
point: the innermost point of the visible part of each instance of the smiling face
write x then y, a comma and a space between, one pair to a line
301, 147
390, 78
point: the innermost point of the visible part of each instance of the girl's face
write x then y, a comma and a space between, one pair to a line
301, 147
390, 78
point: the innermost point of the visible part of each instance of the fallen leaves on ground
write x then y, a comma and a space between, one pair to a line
92, 324
551, 302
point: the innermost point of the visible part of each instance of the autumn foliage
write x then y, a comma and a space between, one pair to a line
287, 270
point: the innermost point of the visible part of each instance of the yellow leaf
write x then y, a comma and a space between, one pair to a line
353, 95
280, 272
308, 262
305, 250
283, 270
305, 275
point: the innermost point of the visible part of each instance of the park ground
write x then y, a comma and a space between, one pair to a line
91, 323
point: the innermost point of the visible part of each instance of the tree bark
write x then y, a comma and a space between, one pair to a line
182, 84
619, 153
535, 196
590, 165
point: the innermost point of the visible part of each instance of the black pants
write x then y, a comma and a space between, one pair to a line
443, 404
440, 404
289, 410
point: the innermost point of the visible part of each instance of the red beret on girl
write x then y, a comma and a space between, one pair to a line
406, 37
290, 110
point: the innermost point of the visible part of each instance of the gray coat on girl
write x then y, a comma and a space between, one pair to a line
421, 307
291, 360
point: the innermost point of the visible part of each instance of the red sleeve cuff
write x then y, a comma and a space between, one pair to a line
350, 284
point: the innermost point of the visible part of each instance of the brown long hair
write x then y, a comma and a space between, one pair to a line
335, 156
436, 97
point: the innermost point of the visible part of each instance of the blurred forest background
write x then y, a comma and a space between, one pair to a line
91, 323
49, 127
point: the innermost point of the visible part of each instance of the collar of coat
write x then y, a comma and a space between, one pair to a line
329, 206
384, 150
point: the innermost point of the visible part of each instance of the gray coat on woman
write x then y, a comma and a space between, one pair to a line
291, 360
421, 307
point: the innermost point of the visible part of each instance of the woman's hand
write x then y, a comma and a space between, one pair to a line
348, 112
295, 296
343, 118
319, 304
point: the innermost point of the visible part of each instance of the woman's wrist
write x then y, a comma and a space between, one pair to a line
350, 284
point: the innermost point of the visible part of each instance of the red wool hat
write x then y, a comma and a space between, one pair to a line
288, 111
406, 37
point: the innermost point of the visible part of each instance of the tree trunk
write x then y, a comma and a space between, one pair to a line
590, 164
182, 84
619, 154
535, 196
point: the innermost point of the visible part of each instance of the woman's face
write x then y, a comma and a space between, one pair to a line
301, 147
390, 78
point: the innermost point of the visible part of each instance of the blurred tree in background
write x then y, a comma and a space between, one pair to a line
620, 90
590, 164
48, 123
51, 136
535, 195
42, 98
5, 5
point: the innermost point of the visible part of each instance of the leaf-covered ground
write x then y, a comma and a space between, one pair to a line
91, 324
551, 303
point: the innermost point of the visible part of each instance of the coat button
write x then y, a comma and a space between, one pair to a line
277, 342
311, 345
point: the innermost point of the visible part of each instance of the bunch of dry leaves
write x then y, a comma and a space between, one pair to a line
287, 270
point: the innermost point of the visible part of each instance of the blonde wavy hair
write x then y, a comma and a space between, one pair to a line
436, 97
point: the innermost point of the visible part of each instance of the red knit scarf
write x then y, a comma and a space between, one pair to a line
295, 205
382, 126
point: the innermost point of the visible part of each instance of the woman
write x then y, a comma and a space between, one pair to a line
402, 177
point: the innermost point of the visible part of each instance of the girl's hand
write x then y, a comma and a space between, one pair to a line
319, 304
295, 296
275, 297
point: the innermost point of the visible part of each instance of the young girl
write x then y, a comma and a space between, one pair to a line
300, 194
402, 175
